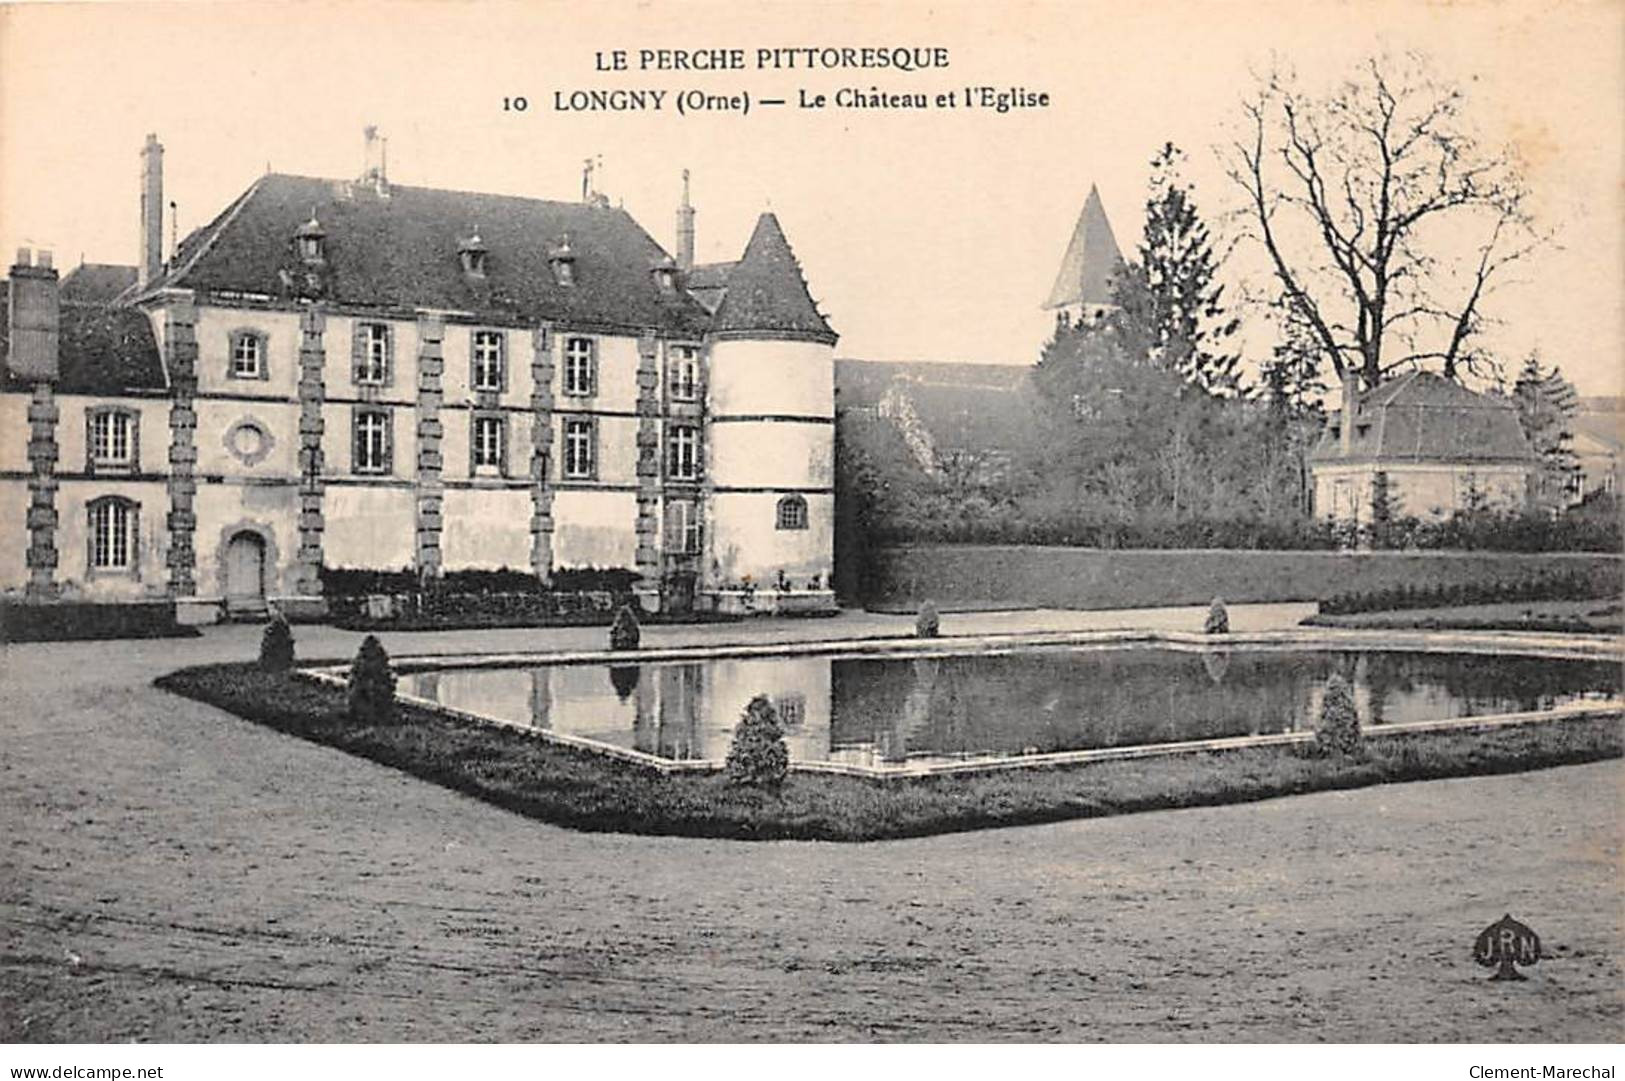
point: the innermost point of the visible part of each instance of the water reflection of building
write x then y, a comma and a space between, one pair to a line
875, 712
684, 712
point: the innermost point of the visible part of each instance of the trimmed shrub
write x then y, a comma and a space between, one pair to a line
1339, 728
624, 632
71, 621
1218, 618
758, 758
927, 624
372, 685
276, 645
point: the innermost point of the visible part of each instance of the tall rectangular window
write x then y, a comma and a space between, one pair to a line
684, 367
112, 438
488, 360
580, 450
683, 527
490, 433
112, 534
683, 453
371, 353
371, 441
580, 366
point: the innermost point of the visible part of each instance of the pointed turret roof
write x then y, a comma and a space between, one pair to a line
766, 293
1091, 259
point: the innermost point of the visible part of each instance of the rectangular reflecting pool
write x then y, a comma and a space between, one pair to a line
924, 710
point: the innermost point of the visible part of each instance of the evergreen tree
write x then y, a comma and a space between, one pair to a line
1546, 405
1382, 510
1170, 308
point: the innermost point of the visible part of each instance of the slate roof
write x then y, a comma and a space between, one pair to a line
862, 383
1092, 259
96, 283
968, 407
707, 282
400, 252
765, 292
1423, 417
101, 350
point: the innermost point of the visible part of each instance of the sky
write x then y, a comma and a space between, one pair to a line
927, 234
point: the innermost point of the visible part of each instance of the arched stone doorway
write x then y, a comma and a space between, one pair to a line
244, 565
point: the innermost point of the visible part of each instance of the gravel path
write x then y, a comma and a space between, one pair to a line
169, 872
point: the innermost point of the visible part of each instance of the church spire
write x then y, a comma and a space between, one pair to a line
1091, 261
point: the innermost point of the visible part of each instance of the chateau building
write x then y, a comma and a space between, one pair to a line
359, 374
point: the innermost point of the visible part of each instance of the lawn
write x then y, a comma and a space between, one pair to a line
1597, 616
582, 790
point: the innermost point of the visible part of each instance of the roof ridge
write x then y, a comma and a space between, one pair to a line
394, 187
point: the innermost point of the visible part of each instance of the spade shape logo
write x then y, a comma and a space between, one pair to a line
1506, 943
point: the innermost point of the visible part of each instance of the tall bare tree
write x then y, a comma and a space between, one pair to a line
1386, 223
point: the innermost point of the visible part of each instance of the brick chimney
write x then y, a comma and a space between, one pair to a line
34, 303
1351, 402
685, 230
151, 265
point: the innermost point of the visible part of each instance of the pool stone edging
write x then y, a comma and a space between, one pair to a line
1554, 645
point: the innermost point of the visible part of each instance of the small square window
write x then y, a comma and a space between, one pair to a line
792, 513
580, 448
487, 350
247, 355
792, 710
580, 366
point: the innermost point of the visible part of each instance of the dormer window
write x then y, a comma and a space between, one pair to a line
310, 240
665, 273
472, 252
563, 261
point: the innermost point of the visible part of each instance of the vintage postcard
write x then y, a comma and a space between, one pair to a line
811, 522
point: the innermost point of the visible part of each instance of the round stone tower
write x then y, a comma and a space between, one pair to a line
771, 412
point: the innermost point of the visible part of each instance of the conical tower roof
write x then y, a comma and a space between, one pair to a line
1090, 262
767, 294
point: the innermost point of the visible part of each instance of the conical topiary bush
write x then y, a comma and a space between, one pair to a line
276, 646
372, 684
624, 632
758, 757
1339, 729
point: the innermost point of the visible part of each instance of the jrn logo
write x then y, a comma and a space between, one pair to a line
1506, 943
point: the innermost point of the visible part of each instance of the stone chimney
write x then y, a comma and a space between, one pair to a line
1351, 402
34, 303
376, 169
685, 230
151, 265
